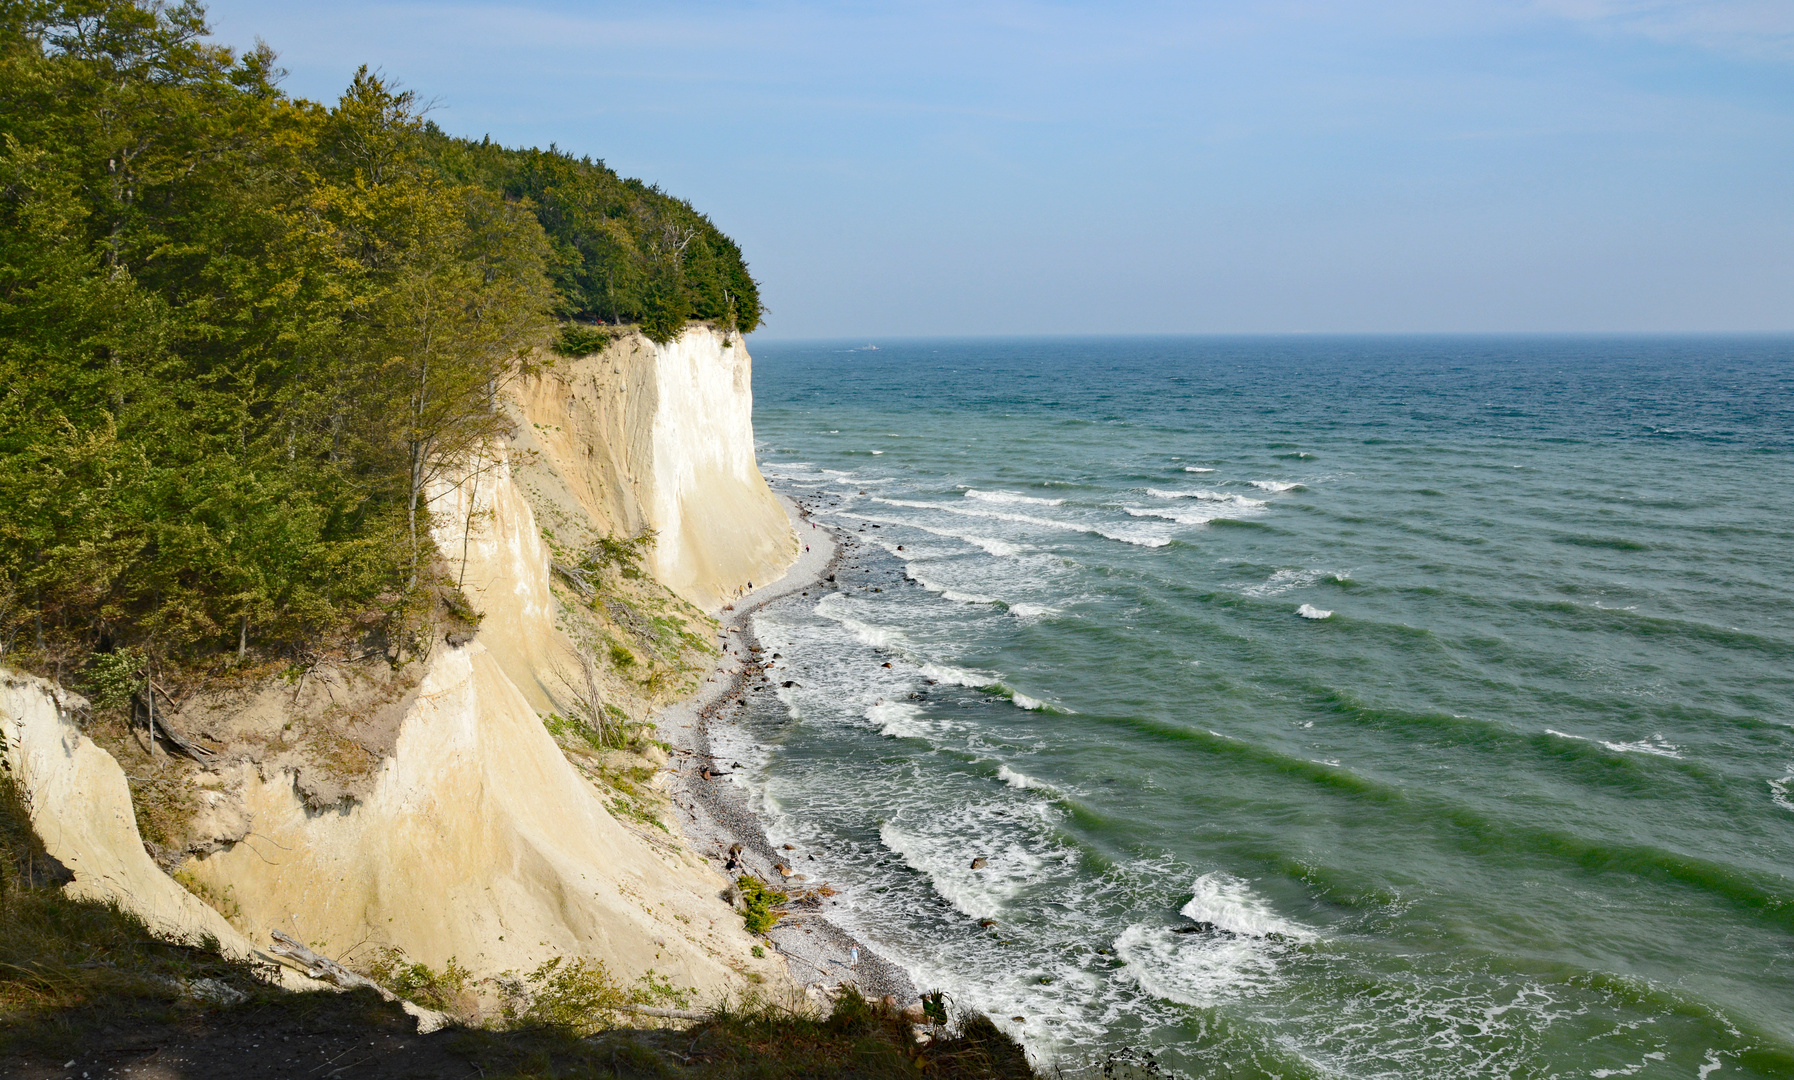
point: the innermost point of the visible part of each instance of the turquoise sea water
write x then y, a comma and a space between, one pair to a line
1521, 805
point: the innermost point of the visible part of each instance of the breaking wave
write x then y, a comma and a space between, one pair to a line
1010, 497
1020, 781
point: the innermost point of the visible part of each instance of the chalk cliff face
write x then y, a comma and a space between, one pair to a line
478, 839
645, 436
480, 842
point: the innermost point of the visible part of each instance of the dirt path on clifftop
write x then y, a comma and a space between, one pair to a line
714, 813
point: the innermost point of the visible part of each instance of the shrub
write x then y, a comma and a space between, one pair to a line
758, 900
417, 982
581, 996
113, 677
578, 339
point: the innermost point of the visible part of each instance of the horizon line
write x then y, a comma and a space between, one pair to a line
1086, 335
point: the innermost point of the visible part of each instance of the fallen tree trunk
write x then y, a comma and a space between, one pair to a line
573, 577
323, 968
160, 723
327, 970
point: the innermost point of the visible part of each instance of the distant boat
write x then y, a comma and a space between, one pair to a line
867, 348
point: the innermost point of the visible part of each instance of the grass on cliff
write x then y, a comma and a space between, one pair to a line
67, 966
859, 1039
86, 988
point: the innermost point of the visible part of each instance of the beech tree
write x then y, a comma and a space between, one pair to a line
242, 335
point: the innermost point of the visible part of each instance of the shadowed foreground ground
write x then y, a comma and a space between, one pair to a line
86, 991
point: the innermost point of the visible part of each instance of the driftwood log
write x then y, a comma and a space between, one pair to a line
323, 968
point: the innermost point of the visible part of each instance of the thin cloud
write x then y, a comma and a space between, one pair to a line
1757, 28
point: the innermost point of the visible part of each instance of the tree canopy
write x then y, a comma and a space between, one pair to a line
624, 251
240, 332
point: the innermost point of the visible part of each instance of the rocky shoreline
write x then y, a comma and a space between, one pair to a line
714, 813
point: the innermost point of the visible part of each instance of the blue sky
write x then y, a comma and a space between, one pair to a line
988, 168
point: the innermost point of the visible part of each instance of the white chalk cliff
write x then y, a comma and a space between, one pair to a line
478, 839
645, 436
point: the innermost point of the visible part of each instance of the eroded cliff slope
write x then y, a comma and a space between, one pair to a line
477, 834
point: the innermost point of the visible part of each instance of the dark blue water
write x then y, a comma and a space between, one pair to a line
1440, 690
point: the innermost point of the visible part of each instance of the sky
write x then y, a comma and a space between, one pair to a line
974, 167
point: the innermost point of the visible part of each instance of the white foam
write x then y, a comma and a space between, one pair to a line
981, 893
1020, 781
1656, 745
990, 545
1025, 519
1205, 495
953, 676
1229, 903
1182, 517
1277, 486
898, 720
1283, 581
1026, 702
946, 592
1031, 611
1782, 791
1228, 497
1204, 969
1137, 539
996, 515
1010, 497
1308, 611
1632, 1070
1210, 505
1196, 469
832, 607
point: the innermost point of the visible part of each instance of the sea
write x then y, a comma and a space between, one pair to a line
1301, 706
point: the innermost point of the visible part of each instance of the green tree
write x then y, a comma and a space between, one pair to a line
244, 336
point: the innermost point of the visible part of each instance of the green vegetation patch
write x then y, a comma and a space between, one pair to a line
758, 899
581, 996
447, 990
578, 339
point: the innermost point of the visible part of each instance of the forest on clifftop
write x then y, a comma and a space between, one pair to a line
241, 332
